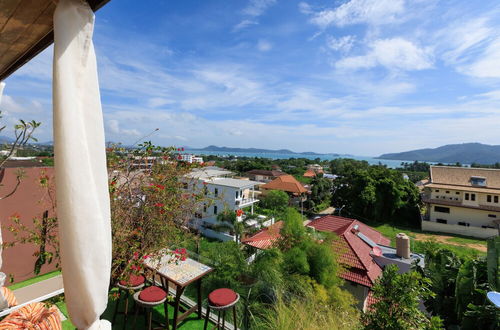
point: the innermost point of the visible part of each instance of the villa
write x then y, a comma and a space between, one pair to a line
225, 193
463, 201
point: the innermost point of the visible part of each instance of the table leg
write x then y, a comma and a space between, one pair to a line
178, 293
198, 283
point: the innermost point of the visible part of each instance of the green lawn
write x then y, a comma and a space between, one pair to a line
460, 245
34, 280
191, 323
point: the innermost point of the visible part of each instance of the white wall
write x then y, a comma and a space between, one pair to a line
475, 217
459, 230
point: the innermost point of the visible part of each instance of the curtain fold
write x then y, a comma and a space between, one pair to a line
80, 165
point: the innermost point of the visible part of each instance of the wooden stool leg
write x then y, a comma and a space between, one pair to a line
218, 318
207, 316
127, 295
150, 318
116, 307
165, 307
145, 317
223, 318
234, 316
136, 314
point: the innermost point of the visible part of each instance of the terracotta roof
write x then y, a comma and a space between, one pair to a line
265, 238
461, 175
354, 252
266, 173
285, 183
370, 300
310, 173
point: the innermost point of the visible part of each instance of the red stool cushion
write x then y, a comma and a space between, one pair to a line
133, 280
222, 297
152, 294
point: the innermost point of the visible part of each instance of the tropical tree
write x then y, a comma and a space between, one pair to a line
398, 298
275, 200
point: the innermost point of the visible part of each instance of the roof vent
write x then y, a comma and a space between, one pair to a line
355, 229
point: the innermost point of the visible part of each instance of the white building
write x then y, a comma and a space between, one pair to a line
463, 201
191, 158
223, 193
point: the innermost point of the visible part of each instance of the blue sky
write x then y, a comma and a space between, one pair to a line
362, 77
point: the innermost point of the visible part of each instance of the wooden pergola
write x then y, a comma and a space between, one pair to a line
26, 29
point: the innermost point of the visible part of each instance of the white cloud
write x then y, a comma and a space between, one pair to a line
244, 24
257, 7
486, 65
374, 12
305, 8
114, 127
343, 44
264, 45
394, 54
460, 40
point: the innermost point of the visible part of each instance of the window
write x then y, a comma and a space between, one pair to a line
488, 198
216, 192
472, 197
442, 209
447, 191
495, 199
205, 208
492, 215
478, 181
466, 224
437, 190
237, 193
488, 227
185, 185
442, 221
466, 196
205, 190
457, 193
215, 209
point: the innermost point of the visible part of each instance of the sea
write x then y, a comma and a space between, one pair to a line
372, 161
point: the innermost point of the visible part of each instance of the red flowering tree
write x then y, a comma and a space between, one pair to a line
150, 205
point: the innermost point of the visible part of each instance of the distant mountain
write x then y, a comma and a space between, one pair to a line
465, 153
254, 150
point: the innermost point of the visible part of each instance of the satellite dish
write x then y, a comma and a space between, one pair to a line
377, 251
494, 297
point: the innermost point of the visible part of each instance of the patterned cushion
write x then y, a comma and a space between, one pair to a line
9, 296
133, 280
222, 297
152, 294
33, 317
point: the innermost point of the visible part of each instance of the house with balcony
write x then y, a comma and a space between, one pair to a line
463, 201
223, 193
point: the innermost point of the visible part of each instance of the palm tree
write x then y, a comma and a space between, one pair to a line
234, 221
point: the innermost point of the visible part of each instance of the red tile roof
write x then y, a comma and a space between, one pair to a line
310, 173
265, 238
285, 183
355, 253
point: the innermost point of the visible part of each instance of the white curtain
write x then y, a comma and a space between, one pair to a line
2, 86
80, 166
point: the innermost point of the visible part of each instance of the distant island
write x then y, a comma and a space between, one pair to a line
254, 150
465, 153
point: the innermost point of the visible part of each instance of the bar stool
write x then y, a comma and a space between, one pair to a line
148, 299
221, 300
134, 283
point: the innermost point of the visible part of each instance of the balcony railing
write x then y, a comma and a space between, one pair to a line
245, 201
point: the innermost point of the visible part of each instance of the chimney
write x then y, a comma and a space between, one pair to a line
403, 246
